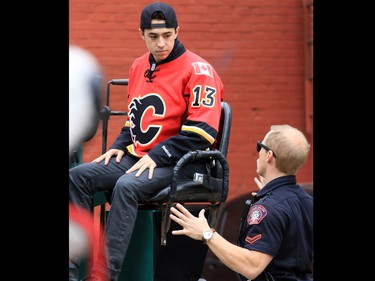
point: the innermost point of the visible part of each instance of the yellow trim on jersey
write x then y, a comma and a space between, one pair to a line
130, 148
198, 131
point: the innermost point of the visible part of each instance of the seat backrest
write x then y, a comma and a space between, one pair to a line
222, 140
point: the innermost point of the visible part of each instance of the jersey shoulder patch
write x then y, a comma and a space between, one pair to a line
202, 68
256, 214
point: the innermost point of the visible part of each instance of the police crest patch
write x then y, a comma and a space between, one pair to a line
256, 214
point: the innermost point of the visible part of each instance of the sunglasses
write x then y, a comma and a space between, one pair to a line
260, 145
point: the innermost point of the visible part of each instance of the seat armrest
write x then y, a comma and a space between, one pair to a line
197, 155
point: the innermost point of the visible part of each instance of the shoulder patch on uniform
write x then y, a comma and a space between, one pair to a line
256, 214
202, 68
252, 240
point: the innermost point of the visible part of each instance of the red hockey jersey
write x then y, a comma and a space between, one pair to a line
175, 110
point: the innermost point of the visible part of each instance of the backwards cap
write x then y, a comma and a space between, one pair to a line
168, 12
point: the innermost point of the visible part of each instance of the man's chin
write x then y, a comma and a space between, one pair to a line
161, 56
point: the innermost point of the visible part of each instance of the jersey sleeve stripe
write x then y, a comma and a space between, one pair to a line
198, 131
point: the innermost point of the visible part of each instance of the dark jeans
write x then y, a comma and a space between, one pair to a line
127, 190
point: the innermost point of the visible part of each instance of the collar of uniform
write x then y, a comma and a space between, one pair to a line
275, 183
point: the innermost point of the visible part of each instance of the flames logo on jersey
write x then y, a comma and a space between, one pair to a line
138, 118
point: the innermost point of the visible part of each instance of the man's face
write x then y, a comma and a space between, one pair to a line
262, 161
159, 41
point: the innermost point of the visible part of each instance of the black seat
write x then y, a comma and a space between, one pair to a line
208, 190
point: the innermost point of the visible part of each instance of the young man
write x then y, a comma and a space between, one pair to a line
174, 106
277, 238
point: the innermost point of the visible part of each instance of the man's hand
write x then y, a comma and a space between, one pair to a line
142, 164
108, 156
192, 226
259, 182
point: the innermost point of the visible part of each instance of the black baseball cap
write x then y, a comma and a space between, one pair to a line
168, 12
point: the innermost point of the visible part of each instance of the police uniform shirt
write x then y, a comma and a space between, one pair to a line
280, 223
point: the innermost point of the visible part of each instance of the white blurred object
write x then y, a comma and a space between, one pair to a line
78, 242
84, 96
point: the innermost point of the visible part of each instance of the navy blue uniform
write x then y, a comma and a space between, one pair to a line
280, 223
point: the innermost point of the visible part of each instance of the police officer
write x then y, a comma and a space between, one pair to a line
277, 237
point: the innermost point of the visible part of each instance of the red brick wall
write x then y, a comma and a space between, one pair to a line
257, 47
